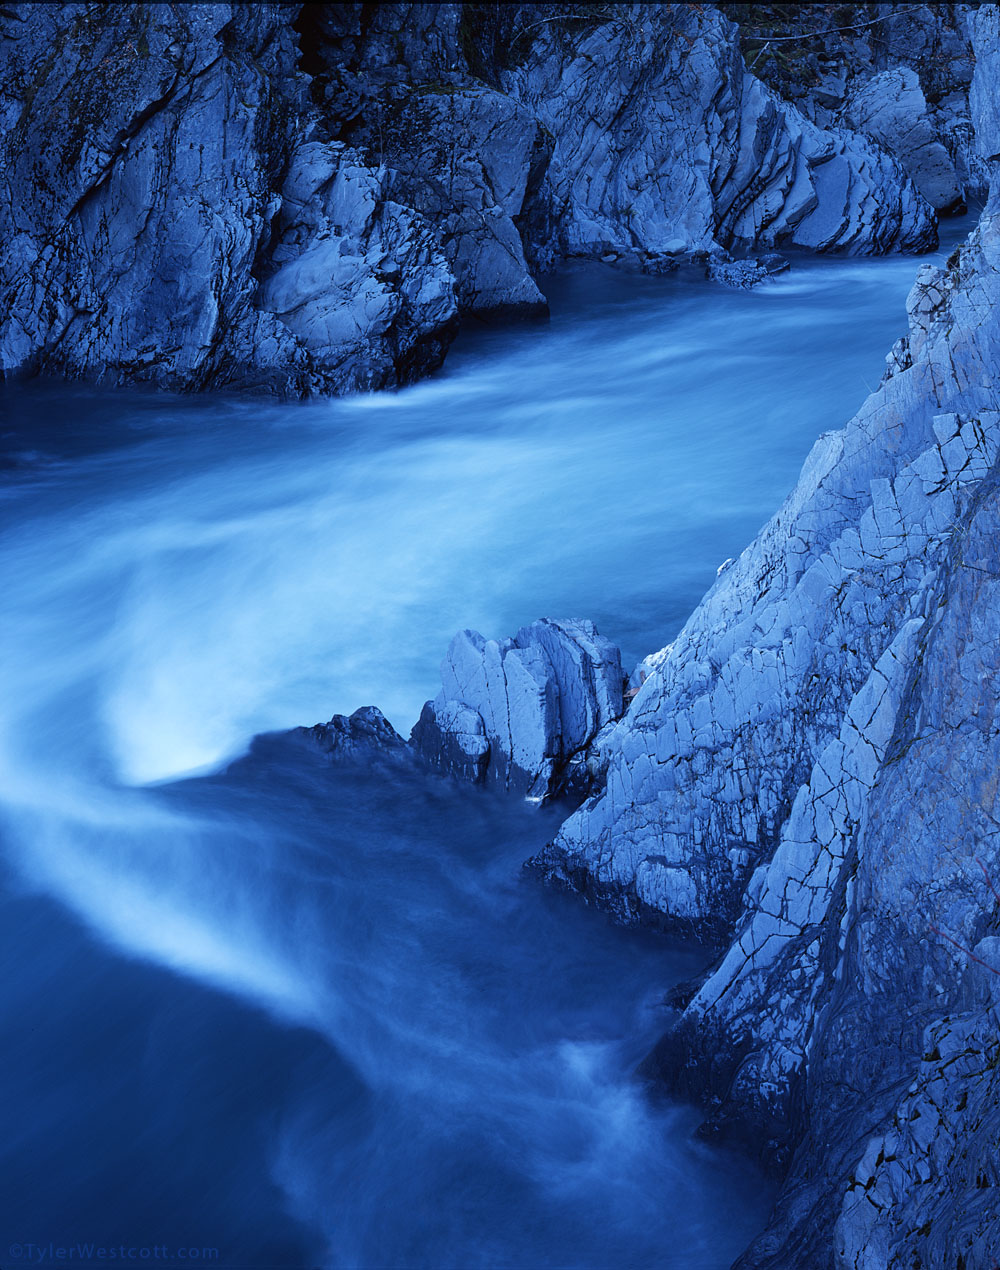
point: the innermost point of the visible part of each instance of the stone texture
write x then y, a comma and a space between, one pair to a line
356, 277
891, 108
365, 736
810, 770
303, 199
902, 75
142, 151
707, 765
521, 713
742, 275
666, 146
393, 80
464, 158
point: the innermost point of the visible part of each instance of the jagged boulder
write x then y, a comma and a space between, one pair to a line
665, 145
891, 108
521, 713
394, 81
464, 157
366, 736
141, 157
196, 202
358, 279
901, 75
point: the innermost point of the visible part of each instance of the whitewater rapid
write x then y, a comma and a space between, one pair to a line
453, 1047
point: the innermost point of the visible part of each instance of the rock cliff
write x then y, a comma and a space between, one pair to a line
810, 771
665, 146
165, 222
898, 73
305, 199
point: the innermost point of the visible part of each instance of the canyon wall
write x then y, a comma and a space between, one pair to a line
810, 771
305, 199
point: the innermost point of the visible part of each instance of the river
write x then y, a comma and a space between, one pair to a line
304, 1014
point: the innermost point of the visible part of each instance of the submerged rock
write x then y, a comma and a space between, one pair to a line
521, 713
365, 735
741, 275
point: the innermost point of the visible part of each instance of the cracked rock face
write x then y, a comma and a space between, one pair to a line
302, 199
135, 170
665, 145
143, 150
891, 108
810, 771
394, 81
523, 713
901, 76
463, 158
356, 277
725, 731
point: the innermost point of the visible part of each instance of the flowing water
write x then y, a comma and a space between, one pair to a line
311, 1015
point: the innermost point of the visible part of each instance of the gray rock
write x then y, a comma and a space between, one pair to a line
464, 158
903, 78
139, 167
393, 80
131, 226
663, 143
709, 738
197, 203
891, 108
452, 736
924, 1191
744, 274
356, 277
365, 735
811, 768
983, 92
517, 712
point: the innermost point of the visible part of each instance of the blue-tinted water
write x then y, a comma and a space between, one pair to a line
309, 1016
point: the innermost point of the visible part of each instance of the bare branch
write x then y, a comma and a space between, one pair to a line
961, 948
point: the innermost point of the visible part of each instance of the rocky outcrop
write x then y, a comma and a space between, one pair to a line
898, 73
924, 1191
891, 108
728, 727
810, 771
665, 146
366, 736
357, 278
525, 713
631, 133
464, 157
305, 198
143, 155
394, 80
